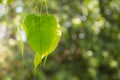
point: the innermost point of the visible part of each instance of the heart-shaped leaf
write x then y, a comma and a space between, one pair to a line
43, 34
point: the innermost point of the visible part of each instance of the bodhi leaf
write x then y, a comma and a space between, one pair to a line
43, 35
40, 31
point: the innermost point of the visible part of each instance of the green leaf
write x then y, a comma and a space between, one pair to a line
43, 35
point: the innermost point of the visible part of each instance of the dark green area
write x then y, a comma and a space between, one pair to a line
89, 48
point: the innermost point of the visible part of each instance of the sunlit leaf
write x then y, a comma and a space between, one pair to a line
43, 34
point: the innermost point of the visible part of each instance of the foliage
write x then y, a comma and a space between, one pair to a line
43, 35
88, 50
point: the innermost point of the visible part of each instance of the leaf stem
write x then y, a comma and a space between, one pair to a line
46, 7
41, 7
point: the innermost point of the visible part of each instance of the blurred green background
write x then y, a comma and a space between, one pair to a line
89, 48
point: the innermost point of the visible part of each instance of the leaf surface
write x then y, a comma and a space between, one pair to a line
43, 35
